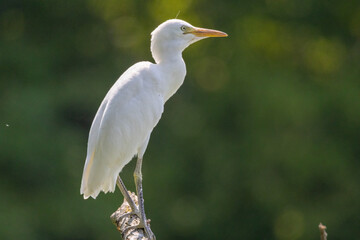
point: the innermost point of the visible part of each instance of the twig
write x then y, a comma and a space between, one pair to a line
122, 223
323, 234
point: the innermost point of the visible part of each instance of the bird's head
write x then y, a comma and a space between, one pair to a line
173, 36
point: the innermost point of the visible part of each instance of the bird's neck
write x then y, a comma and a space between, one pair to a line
164, 54
168, 57
164, 50
172, 75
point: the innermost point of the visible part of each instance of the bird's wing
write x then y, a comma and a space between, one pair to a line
123, 123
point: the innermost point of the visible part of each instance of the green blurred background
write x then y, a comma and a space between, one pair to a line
261, 142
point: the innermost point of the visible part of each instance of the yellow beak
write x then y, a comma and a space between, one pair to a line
203, 32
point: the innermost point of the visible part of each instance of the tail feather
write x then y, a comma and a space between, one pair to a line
97, 178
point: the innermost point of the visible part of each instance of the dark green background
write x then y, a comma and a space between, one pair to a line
261, 142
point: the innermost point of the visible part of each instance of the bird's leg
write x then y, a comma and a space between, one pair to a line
139, 191
127, 197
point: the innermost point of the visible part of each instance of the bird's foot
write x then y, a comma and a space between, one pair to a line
148, 231
137, 213
143, 225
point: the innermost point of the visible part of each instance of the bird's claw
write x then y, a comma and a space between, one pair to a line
146, 228
137, 213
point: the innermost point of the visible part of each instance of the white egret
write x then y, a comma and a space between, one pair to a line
131, 109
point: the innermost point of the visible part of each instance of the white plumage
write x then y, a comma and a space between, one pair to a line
134, 104
121, 128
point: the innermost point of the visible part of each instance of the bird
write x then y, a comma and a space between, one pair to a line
132, 108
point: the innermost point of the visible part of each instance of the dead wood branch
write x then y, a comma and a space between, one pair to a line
323, 234
122, 223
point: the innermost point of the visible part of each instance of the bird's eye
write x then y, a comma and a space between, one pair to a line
183, 28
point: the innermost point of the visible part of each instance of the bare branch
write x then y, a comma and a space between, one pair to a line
323, 234
122, 223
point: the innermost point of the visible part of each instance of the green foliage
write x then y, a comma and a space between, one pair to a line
261, 142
